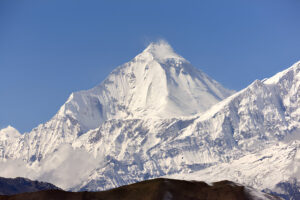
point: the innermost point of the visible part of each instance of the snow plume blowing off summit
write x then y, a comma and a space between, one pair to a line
131, 109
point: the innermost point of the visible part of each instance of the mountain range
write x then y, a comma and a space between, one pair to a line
158, 116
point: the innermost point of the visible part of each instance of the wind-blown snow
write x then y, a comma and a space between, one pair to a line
162, 51
158, 116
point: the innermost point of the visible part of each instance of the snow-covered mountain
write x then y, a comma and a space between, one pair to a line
158, 116
157, 83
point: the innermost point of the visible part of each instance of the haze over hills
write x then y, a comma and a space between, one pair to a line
159, 116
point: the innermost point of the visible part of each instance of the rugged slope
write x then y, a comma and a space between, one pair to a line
158, 189
11, 186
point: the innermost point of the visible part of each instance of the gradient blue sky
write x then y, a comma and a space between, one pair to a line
51, 48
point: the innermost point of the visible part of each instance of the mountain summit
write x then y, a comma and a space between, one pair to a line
157, 83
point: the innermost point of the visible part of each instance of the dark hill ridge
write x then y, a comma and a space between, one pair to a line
10, 186
156, 189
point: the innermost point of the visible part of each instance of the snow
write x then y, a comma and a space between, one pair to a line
159, 116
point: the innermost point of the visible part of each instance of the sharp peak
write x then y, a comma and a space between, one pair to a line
161, 50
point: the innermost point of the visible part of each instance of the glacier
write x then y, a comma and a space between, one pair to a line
157, 116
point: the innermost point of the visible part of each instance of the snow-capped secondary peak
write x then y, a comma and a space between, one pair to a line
9, 132
161, 51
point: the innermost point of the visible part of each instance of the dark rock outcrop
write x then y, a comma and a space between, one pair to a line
10, 186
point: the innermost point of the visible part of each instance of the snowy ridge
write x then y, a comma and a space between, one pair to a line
158, 116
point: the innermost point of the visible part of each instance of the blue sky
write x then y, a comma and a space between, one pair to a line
51, 48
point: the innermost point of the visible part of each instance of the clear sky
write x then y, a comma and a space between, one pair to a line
51, 48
